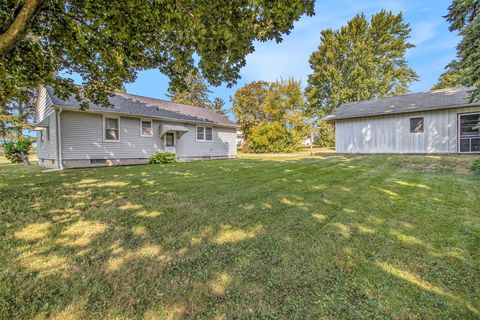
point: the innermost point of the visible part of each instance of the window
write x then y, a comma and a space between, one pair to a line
204, 134
111, 132
469, 133
169, 139
416, 125
208, 134
146, 128
200, 133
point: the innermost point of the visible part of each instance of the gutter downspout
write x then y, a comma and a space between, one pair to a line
59, 140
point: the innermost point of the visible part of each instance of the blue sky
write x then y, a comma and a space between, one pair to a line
435, 46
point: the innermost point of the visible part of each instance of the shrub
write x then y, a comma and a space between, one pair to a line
162, 157
17, 151
273, 137
475, 167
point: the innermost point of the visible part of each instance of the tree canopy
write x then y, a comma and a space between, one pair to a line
271, 115
453, 76
464, 17
108, 42
362, 60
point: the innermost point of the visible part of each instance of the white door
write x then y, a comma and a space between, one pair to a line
170, 142
469, 133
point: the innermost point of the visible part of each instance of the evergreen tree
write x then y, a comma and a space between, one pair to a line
191, 90
454, 76
464, 17
217, 106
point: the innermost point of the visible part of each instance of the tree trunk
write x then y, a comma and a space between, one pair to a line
24, 157
15, 32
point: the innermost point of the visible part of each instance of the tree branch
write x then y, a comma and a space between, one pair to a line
15, 32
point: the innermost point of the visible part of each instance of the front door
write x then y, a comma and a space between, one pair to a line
170, 142
469, 132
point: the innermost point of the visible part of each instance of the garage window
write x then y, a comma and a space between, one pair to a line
416, 125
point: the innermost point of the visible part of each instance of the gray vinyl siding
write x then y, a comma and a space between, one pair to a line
223, 144
82, 138
391, 134
48, 149
44, 105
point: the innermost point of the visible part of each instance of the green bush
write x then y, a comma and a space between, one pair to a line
162, 157
17, 151
475, 167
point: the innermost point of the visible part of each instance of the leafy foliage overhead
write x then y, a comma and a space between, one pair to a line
464, 16
362, 60
107, 42
271, 115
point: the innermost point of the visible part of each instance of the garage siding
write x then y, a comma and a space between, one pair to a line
391, 134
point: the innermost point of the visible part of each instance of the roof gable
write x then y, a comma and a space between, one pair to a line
148, 107
415, 102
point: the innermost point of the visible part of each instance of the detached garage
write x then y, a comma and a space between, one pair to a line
441, 121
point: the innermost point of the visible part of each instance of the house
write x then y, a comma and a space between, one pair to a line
441, 121
128, 132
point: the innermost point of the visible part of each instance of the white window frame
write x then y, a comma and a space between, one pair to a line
151, 127
459, 115
204, 133
108, 116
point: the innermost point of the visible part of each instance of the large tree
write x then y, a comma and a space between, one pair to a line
362, 60
454, 76
464, 16
17, 116
192, 90
107, 42
271, 115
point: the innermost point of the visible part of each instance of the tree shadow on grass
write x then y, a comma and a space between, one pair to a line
332, 237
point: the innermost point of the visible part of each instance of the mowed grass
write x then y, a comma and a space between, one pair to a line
262, 237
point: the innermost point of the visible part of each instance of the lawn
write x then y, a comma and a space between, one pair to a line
264, 237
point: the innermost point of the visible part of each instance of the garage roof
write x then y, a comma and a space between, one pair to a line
424, 101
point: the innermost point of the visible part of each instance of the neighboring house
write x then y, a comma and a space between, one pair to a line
128, 132
441, 121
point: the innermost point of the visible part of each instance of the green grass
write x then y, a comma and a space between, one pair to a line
263, 237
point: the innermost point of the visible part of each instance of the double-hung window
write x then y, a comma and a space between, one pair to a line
146, 128
111, 127
204, 133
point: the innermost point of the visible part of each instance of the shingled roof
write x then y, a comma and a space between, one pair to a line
424, 101
130, 104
